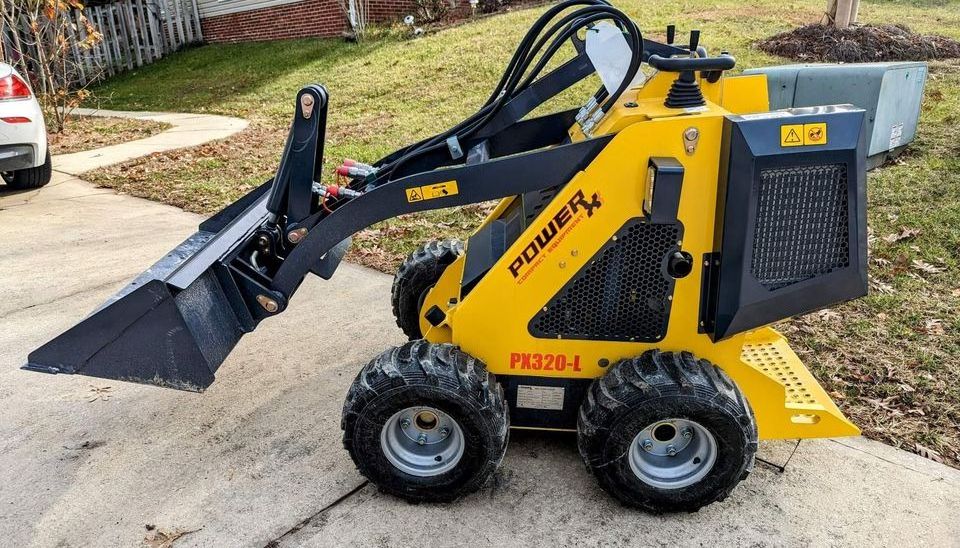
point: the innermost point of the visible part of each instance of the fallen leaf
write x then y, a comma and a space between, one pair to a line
934, 327
827, 315
924, 266
904, 234
881, 287
159, 538
926, 452
101, 393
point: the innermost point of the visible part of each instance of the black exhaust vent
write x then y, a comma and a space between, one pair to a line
621, 294
802, 228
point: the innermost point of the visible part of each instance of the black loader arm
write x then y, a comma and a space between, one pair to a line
176, 323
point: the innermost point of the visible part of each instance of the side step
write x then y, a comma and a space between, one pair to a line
809, 411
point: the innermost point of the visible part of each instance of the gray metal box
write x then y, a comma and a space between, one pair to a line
889, 92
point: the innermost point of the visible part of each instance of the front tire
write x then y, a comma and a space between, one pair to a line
666, 432
426, 422
34, 177
418, 274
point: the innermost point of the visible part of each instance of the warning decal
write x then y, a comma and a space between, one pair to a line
815, 134
798, 135
790, 136
430, 192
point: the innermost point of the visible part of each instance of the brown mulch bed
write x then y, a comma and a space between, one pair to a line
859, 44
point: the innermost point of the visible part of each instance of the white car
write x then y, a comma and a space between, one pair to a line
24, 158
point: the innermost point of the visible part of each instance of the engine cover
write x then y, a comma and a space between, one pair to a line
791, 225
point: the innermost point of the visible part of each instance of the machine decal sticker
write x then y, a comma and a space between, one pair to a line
540, 397
790, 135
798, 135
535, 361
815, 134
570, 215
896, 135
430, 192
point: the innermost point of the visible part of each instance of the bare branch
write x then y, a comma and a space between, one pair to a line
38, 38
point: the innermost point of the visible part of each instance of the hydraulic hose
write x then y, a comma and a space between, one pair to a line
513, 81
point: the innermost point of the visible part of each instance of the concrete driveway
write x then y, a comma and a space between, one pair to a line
257, 460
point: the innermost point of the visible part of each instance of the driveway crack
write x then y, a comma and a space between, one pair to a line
296, 528
7, 313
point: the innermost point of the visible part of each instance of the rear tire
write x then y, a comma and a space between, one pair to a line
416, 276
34, 177
441, 381
703, 419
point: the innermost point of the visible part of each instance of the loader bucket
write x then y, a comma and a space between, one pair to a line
175, 323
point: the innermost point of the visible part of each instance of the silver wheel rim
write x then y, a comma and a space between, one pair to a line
673, 453
422, 441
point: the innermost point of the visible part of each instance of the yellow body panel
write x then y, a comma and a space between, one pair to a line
491, 322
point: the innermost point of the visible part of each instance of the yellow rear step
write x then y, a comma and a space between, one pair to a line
808, 410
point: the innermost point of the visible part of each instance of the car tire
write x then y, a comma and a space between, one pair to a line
34, 177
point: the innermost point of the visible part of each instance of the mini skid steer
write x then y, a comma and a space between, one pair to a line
621, 289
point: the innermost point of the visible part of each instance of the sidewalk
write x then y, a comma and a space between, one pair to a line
188, 130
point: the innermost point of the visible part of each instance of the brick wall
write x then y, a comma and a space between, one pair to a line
297, 20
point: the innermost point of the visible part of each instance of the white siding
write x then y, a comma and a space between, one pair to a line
212, 8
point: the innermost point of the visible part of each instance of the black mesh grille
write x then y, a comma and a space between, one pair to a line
802, 224
622, 293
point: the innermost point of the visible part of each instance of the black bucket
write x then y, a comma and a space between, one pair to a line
174, 324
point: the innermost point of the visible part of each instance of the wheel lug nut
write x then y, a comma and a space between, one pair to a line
671, 450
687, 433
444, 432
405, 423
647, 444
421, 439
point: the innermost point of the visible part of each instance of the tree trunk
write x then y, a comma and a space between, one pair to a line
854, 11
830, 15
841, 13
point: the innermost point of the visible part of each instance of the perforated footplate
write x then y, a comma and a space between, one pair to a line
808, 411
767, 351
767, 357
622, 294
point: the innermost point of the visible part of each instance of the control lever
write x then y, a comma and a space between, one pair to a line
694, 42
681, 64
671, 34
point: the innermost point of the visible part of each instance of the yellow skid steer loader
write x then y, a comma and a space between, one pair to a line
622, 289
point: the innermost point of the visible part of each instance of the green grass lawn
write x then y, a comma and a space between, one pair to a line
891, 360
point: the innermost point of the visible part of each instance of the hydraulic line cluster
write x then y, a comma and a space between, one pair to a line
535, 51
